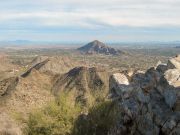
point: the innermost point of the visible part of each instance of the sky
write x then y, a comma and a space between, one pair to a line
86, 20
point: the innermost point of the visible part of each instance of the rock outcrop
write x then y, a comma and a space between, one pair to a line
97, 47
150, 102
8, 85
174, 62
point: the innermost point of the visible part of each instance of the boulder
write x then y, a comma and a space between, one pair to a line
146, 125
138, 77
174, 63
177, 104
150, 79
173, 77
119, 84
171, 124
162, 68
170, 97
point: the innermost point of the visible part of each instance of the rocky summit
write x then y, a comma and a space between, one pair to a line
149, 102
97, 47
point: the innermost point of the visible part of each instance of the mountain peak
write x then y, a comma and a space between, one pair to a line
97, 47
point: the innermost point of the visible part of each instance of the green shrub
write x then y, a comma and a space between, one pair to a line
57, 118
100, 119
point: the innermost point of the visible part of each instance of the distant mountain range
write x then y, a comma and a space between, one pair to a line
25, 43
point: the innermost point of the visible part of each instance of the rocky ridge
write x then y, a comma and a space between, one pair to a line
52, 65
149, 102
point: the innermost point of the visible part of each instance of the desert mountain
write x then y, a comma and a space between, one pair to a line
83, 82
97, 47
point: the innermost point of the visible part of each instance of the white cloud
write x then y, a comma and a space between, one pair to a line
112, 12
91, 14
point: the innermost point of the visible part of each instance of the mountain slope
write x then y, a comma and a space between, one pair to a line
83, 82
8, 85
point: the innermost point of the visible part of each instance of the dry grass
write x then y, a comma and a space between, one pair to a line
8, 126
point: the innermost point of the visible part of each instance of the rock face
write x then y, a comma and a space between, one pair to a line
173, 77
97, 47
37, 66
174, 62
150, 104
83, 82
120, 82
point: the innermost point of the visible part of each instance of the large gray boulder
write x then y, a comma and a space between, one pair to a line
173, 77
152, 106
161, 68
174, 63
170, 97
119, 85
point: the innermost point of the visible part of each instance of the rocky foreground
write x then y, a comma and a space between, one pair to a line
149, 102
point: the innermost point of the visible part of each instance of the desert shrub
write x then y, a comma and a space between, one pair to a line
18, 117
64, 117
100, 118
57, 118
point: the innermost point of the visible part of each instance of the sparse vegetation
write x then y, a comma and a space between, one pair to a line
64, 117
84, 110
57, 118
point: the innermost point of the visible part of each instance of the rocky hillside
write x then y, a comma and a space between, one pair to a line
149, 103
97, 47
19, 96
8, 85
83, 82
53, 65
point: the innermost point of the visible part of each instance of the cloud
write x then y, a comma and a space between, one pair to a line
89, 15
